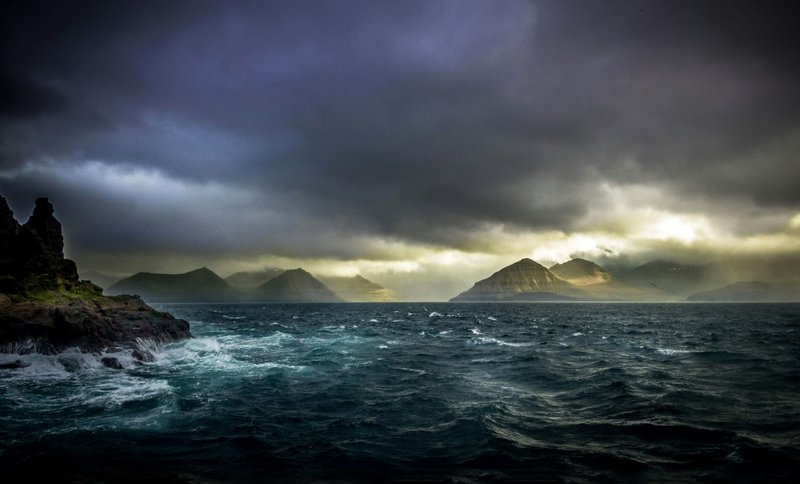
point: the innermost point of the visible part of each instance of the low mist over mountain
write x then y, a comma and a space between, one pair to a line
581, 272
295, 285
360, 289
677, 279
200, 285
525, 280
746, 291
251, 280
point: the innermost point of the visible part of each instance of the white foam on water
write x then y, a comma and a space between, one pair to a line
433, 314
412, 370
488, 340
234, 317
475, 331
577, 334
62, 366
124, 389
373, 320
491, 318
670, 351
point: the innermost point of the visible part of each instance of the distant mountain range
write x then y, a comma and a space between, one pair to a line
525, 280
270, 285
583, 280
199, 285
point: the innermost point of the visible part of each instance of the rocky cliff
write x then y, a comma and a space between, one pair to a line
44, 307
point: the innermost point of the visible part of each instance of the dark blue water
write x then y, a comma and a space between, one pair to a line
441, 392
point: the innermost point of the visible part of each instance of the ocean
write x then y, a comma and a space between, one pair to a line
538, 392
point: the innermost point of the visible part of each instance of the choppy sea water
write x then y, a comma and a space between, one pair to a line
439, 392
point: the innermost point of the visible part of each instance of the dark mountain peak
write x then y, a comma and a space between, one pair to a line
252, 279
203, 271
296, 285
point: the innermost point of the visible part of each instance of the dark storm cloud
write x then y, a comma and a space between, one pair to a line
420, 121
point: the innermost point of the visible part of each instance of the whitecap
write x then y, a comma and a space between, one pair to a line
121, 390
233, 317
373, 320
434, 314
577, 334
491, 318
475, 331
412, 370
670, 351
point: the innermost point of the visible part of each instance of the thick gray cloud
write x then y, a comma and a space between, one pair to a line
423, 122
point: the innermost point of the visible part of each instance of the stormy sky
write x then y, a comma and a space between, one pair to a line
423, 144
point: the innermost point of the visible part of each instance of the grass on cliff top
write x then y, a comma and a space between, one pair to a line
82, 291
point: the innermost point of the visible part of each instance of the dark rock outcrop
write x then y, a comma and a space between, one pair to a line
94, 325
45, 308
33, 254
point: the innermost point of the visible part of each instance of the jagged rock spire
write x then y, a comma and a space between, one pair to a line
32, 255
45, 225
